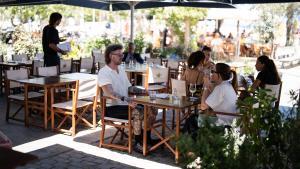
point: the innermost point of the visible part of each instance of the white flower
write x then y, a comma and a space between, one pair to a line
195, 164
266, 121
251, 120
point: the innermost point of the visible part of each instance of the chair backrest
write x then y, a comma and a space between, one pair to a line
65, 66
20, 57
47, 71
39, 56
155, 61
275, 91
180, 86
19, 74
172, 64
1, 58
99, 59
145, 56
35, 65
157, 74
86, 64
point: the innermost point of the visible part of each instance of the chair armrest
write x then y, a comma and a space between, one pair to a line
226, 114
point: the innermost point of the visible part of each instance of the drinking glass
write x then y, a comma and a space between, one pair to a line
152, 95
192, 89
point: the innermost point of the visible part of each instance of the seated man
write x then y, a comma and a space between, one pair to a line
115, 84
130, 55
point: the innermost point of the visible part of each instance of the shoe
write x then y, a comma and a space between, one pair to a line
138, 147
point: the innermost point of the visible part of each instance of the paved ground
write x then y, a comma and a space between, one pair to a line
61, 151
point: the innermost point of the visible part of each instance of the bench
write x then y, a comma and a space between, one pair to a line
286, 56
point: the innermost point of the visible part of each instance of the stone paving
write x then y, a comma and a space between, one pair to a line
59, 151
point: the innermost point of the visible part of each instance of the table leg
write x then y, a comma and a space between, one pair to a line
45, 107
145, 131
177, 133
26, 105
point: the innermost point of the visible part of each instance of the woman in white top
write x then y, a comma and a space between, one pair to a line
221, 96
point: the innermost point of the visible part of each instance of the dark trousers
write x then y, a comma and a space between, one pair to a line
52, 60
118, 111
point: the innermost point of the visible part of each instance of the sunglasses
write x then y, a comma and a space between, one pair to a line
117, 54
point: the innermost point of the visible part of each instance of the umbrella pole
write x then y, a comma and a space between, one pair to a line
237, 52
132, 5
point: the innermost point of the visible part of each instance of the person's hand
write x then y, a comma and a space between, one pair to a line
130, 103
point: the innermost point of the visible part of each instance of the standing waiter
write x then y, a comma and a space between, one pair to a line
50, 40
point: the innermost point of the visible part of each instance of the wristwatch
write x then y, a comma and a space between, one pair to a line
123, 98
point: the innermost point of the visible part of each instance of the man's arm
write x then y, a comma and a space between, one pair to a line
55, 48
108, 90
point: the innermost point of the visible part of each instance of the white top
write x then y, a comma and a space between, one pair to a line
119, 82
223, 99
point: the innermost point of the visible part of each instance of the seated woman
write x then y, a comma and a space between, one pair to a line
222, 96
268, 73
194, 72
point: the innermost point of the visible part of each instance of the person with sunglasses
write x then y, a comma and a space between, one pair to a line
220, 93
115, 84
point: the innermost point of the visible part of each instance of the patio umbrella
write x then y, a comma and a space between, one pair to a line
141, 4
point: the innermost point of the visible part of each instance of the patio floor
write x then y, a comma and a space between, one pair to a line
62, 151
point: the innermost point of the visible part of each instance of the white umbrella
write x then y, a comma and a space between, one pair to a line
237, 14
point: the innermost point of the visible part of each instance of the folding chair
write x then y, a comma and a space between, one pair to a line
276, 92
75, 109
35, 65
20, 57
47, 71
157, 79
154, 61
99, 60
86, 65
119, 124
11, 77
65, 66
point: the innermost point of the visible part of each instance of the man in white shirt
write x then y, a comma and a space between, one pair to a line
115, 84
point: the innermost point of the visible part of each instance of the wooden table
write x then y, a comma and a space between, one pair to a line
11, 65
46, 83
178, 105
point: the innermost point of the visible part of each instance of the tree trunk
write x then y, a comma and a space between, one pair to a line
187, 33
289, 24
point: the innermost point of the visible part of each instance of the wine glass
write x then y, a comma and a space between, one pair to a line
192, 89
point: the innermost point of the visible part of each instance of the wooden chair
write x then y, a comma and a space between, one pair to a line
181, 90
145, 56
20, 57
65, 66
74, 109
157, 78
120, 124
99, 60
155, 61
39, 56
47, 71
86, 65
35, 65
11, 77
276, 92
